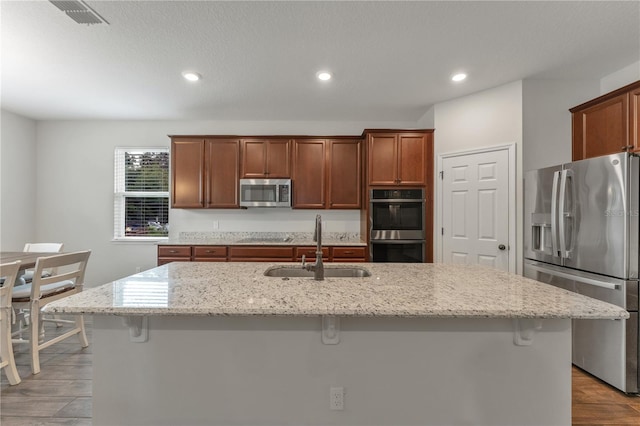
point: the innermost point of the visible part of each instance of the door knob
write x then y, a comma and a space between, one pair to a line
502, 247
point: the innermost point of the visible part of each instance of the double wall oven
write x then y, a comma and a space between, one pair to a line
397, 225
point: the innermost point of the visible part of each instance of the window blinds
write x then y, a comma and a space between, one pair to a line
141, 198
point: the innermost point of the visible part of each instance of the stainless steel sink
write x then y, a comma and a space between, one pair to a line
298, 272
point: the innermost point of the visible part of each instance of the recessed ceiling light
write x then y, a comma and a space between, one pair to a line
191, 76
324, 75
459, 77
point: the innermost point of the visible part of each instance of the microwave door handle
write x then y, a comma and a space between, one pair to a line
277, 193
554, 214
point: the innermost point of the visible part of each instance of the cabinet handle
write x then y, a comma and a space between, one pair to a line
209, 251
173, 251
348, 252
627, 147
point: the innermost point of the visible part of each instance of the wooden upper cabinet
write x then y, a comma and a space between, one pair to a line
344, 174
383, 159
309, 173
327, 174
634, 118
398, 158
187, 173
204, 173
222, 174
607, 124
266, 158
412, 150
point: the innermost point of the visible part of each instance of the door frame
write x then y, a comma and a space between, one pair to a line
512, 177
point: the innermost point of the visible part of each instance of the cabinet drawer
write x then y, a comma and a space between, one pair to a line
209, 251
348, 252
174, 251
261, 252
164, 260
310, 252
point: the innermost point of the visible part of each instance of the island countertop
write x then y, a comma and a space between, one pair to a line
393, 290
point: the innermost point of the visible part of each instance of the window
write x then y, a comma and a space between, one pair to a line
141, 198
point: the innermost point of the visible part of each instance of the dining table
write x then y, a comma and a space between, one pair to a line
28, 259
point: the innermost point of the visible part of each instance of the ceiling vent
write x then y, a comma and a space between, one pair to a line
80, 12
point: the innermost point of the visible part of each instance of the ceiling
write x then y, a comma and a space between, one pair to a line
391, 60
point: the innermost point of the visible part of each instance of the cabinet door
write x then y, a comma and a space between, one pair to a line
168, 254
601, 129
278, 159
264, 158
345, 174
309, 174
260, 254
222, 173
348, 254
383, 159
254, 158
210, 253
634, 119
309, 253
187, 173
412, 151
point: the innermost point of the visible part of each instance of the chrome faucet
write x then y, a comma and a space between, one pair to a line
318, 267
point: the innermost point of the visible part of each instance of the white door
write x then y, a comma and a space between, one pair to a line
475, 209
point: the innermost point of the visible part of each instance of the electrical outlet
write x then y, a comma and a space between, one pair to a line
216, 224
137, 269
336, 398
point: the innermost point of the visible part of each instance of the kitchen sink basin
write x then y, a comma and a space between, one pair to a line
298, 272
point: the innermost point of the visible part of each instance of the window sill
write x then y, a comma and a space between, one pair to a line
139, 240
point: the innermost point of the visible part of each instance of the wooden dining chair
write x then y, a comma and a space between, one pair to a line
67, 280
9, 272
42, 248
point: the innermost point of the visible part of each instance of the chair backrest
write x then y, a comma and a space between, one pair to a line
43, 247
73, 269
8, 271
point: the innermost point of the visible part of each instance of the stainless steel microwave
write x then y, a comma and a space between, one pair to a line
265, 192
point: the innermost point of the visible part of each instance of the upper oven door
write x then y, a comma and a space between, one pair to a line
401, 219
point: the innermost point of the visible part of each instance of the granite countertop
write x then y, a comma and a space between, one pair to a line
264, 238
393, 290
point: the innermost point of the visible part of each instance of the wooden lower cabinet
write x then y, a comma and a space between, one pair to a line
310, 253
168, 254
348, 254
260, 254
182, 253
209, 253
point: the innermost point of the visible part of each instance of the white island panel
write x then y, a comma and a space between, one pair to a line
276, 371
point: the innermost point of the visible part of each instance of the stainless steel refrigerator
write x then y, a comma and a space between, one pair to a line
581, 225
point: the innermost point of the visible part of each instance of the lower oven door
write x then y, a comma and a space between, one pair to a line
397, 251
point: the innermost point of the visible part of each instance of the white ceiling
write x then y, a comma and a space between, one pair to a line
391, 60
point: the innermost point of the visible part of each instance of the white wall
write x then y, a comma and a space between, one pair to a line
620, 78
489, 118
547, 120
75, 183
18, 170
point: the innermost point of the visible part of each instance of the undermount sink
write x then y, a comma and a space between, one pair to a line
298, 272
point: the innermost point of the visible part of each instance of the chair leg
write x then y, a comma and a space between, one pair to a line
34, 335
6, 349
57, 317
82, 336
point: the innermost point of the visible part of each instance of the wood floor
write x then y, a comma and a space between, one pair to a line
61, 393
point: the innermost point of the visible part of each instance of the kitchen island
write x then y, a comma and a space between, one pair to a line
414, 344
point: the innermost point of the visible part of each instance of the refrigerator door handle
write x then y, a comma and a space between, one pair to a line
554, 214
591, 281
562, 214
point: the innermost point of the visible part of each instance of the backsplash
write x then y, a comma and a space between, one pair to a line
266, 236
